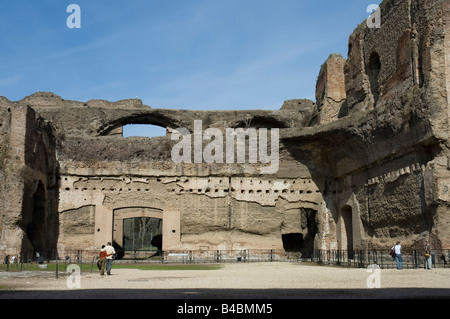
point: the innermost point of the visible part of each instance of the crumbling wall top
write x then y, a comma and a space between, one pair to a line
50, 99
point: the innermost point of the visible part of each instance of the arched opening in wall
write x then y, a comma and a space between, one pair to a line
142, 130
373, 72
347, 230
142, 234
37, 227
311, 226
293, 241
258, 122
302, 241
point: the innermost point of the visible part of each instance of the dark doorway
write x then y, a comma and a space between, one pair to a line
311, 225
37, 227
347, 230
373, 72
293, 242
142, 233
302, 242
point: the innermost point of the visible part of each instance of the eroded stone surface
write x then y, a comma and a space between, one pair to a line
364, 165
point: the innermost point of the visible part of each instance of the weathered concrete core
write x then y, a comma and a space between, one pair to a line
366, 164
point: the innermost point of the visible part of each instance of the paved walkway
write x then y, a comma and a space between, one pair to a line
235, 281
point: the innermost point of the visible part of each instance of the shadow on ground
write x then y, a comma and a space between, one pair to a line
182, 294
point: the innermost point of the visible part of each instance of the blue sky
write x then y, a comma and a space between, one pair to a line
188, 54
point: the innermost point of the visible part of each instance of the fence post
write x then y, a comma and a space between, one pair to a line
415, 258
444, 258
56, 267
92, 264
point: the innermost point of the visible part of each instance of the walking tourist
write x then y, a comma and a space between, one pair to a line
398, 255
102, 261
110, 252
427, 255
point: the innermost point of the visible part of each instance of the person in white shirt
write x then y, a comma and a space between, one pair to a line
110, 252
398, 255
427, 255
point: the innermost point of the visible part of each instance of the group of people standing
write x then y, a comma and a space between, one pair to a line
107, 255
397, 249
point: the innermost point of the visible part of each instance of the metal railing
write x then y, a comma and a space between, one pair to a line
224, 256
412, 258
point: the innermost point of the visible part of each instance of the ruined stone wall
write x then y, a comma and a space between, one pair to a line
214, 212
104, 178
412, 90
384, 156
381, 64
330, 89
213, 206
365, 165
7, 178
29, 221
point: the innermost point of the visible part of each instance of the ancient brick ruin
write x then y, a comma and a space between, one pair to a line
366, 164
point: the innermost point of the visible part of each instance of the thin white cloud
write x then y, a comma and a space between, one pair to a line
10, 80
241, 84
79, 50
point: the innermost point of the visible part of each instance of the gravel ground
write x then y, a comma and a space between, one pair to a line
274, 280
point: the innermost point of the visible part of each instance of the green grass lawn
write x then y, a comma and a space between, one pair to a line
167, 267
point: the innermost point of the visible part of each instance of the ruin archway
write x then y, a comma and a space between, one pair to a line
173, 119
159, 118
143, 130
